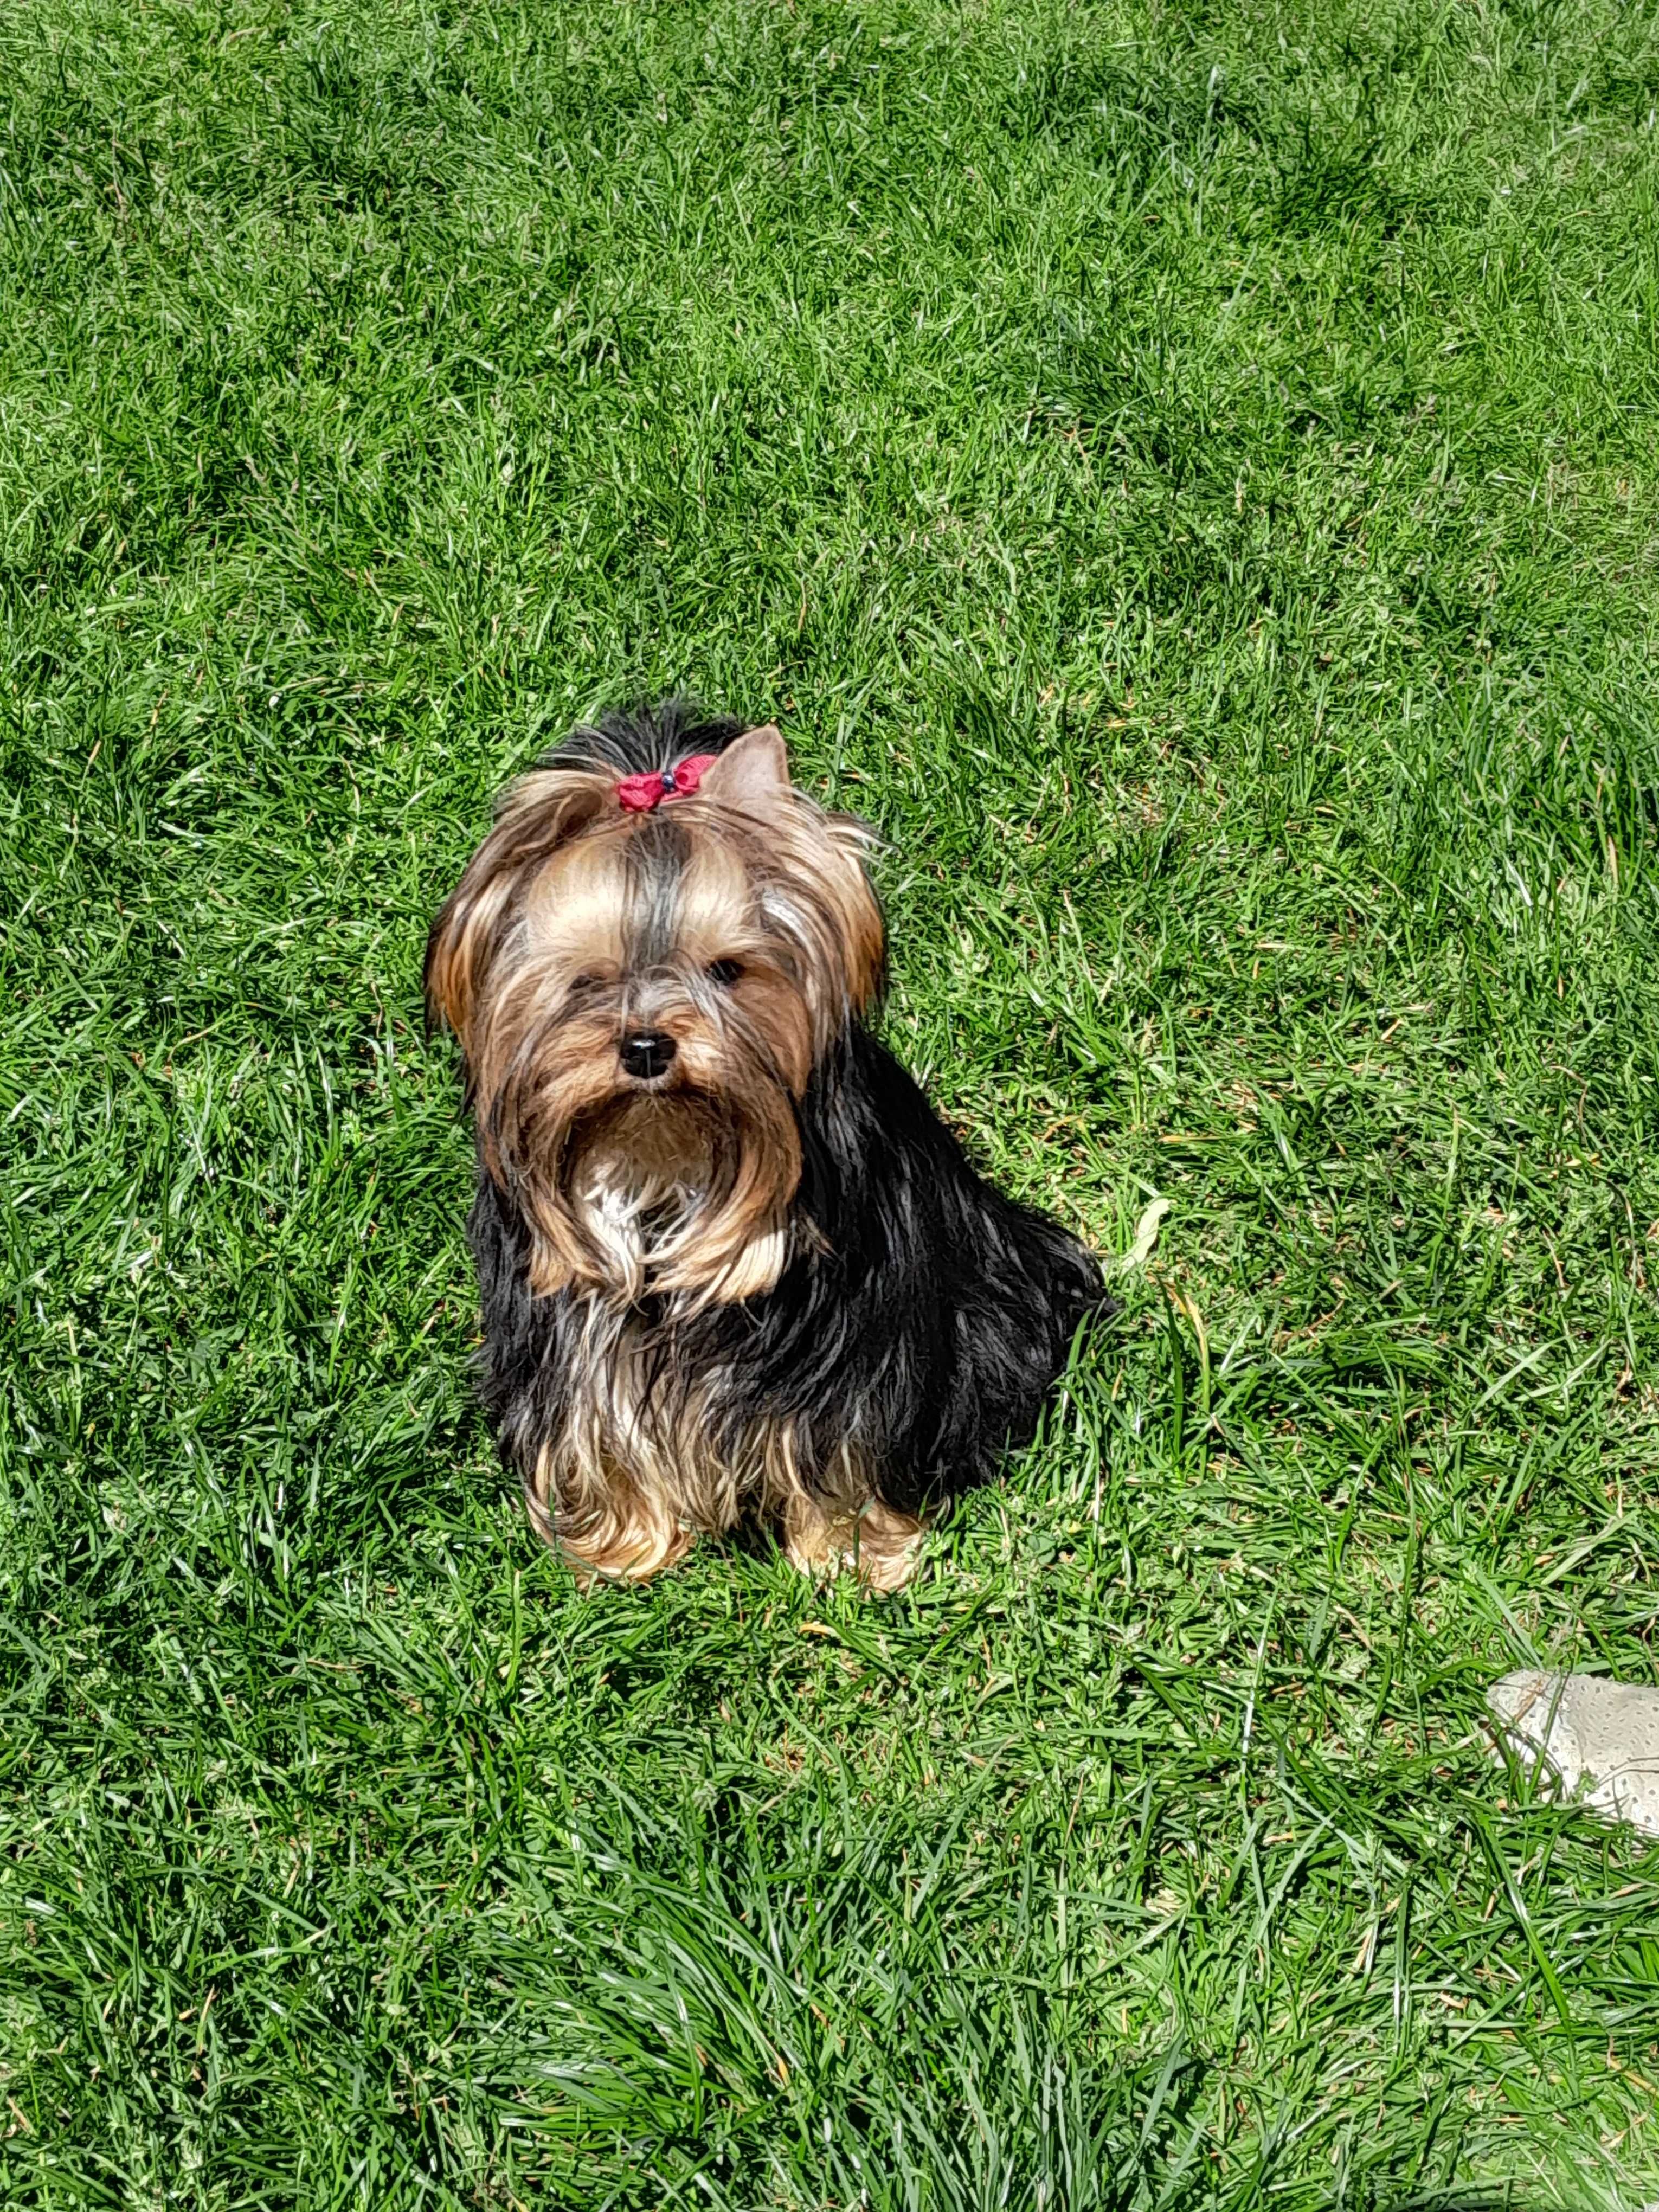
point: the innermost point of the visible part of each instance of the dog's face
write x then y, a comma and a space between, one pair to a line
641, 997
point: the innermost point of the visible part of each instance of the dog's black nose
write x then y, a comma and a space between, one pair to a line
647, 1053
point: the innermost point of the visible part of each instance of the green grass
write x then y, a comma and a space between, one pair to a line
1188, 474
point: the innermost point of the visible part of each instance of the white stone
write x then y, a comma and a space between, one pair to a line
1596, 1740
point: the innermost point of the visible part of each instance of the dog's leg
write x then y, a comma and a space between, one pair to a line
630, 1552
627, 1535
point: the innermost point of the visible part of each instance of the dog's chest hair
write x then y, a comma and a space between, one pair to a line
639, 1222
630, 1218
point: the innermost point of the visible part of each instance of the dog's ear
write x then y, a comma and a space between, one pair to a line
537, 815
751, 773
458, 948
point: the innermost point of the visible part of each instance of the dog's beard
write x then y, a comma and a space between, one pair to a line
674, 1194
640, 1175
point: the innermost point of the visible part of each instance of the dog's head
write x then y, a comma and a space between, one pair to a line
642, 971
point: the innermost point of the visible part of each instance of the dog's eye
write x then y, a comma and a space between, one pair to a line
724, 971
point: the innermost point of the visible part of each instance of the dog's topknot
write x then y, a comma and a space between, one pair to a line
631, 739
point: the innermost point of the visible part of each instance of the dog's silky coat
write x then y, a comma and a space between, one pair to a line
731, 1261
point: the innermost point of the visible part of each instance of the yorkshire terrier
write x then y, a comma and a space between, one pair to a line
731, 1261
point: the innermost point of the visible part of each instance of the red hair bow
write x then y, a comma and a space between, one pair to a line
640, 793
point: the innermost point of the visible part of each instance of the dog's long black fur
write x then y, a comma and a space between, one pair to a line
927, 1319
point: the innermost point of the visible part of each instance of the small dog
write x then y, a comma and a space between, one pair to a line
731, 1261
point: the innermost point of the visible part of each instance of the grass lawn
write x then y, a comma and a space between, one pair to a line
1188, 474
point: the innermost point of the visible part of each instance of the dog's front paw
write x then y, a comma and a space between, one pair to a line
882, 1546
631, 1538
